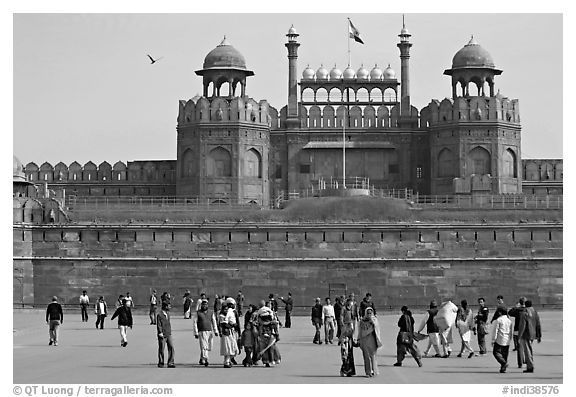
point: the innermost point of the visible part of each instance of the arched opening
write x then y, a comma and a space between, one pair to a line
362, 95
390, 95
187, 163
335, 95
376, 95
308, 95
445, 163
321, 95
219, 163
253, 164
510, 168
479, 161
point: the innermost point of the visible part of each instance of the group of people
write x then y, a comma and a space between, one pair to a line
353, 324
357, 326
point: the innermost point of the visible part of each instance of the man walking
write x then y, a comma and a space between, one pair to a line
164, 329
432, 329
329, 321
289, 305
124, 315
499, 303
54, 317
501, 338
84, 303
239, 302
482, 329
515, 313
528, 329
317, 320
101, 312
338, 308
366, 303
153, 306
205, 328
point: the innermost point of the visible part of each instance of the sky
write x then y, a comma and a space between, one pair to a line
83, 87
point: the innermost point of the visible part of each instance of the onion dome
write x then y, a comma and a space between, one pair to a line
224, 56
18, 174
335, 73
376, 73
472, 55
362, 73
292, 31
349, 73
322, 73
308, 73
389, 73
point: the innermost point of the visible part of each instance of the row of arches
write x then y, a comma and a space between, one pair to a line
362, 94
542, 170
478, 162
219, 163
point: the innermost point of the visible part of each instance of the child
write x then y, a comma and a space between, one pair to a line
248, 341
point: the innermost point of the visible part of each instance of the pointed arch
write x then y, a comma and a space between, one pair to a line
188, 168
446, 163
479, 161
219, 163
510, 165
253, 164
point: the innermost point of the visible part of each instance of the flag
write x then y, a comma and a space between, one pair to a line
354, 33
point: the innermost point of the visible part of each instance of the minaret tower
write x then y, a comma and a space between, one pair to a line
292, 119
404, 47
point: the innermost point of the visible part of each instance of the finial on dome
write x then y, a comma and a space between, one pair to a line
403, 22
472, 41
224, 41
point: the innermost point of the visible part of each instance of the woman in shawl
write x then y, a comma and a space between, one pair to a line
465, 323
267, 336
228, 337
369, 341
187, 305
347, 340
405, 340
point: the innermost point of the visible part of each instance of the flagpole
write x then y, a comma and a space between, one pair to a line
344, 118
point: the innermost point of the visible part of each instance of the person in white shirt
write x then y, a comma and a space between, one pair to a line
329, 321
84, 302
129, 301
501, 338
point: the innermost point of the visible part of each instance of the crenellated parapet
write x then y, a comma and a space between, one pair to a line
221, 109
159, 171
463, 109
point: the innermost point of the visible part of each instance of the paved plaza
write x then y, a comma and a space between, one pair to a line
87, 355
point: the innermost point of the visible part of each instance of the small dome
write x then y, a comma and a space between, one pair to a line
308, 73
349, 73
224, 56
405, 32
335, 73
18, 174
362, 73
389, 73
376, 73
472, 55
292, 31
322, 73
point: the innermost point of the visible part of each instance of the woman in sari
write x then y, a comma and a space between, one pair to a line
369, 341
347, 340
465, 323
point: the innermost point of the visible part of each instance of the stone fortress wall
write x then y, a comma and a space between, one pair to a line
399, 264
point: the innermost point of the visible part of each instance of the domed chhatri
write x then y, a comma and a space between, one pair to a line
18, 174
389, 73
224, 56
349, 73
376, 73
472, 55
335, 73
362, 73
322, 73
308, 73
292, 31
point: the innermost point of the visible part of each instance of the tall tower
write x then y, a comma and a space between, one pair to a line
404, 47
292, 120
224, 136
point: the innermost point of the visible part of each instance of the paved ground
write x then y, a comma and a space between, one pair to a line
87, 355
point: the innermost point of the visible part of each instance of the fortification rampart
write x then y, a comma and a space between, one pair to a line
399, 264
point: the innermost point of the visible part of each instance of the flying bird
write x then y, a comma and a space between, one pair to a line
152, 60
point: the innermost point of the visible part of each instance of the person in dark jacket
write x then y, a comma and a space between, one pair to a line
338, 307
405, 340
289, 305
481, 320
499, 304
101, 311
431, 329
124, 315
529, 328
54, 318
366, 303
164, 331
317, 320
515, 313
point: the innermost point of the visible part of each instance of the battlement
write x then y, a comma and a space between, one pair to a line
476, 108
219, 109
159, 171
